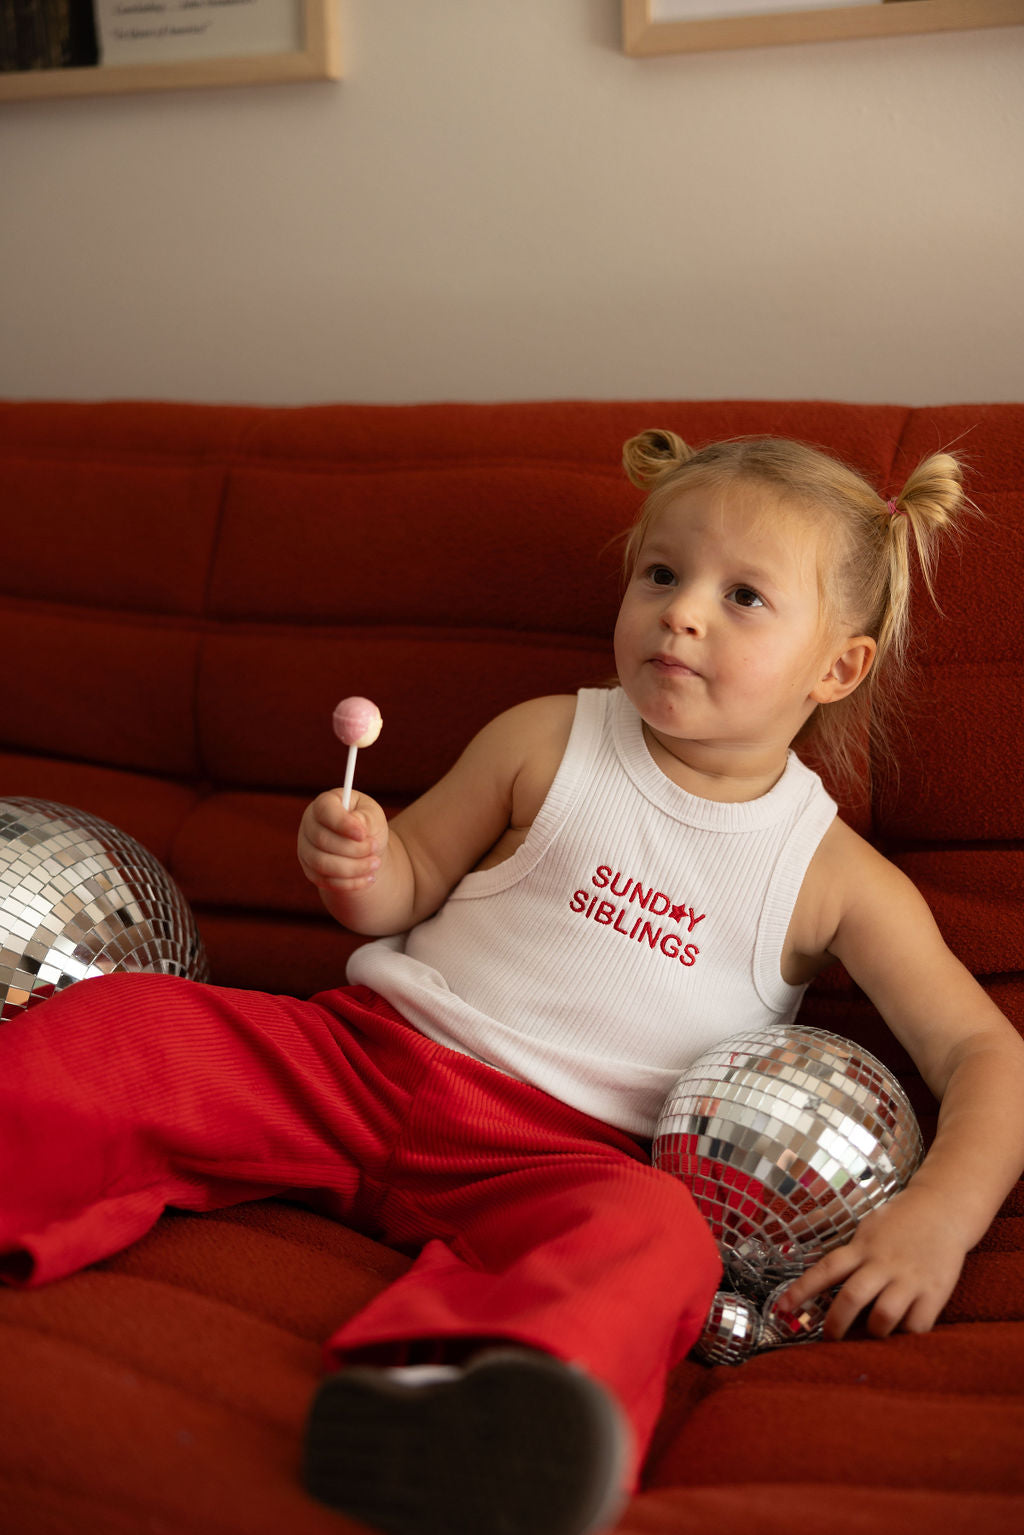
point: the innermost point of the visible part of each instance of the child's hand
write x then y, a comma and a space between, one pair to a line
339, 849
902, 1263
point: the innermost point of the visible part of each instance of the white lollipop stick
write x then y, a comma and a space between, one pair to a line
350, 774
357, 722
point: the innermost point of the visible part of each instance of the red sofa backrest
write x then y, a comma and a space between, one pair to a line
186, 591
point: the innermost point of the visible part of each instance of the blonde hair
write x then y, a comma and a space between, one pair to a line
866, 587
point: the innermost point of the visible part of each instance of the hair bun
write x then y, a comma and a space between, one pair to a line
651, 455
932, 502
933, 495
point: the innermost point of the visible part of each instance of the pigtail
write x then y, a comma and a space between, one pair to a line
650, 456
931, 502
916, 521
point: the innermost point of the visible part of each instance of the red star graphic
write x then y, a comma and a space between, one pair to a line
678, 913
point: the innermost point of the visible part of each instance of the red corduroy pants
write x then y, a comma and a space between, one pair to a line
533, 1223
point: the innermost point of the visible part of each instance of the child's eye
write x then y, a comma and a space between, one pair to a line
746, 597
660, 575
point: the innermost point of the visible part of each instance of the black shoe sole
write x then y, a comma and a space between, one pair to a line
516, 1444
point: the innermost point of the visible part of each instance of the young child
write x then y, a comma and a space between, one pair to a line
600, 887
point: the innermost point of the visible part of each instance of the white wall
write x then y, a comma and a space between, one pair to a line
496, 203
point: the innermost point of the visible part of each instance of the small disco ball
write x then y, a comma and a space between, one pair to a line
79, 898
780, 1327
733, 1331
737, 1327
786, 1137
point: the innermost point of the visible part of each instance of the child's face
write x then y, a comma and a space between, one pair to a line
720, 641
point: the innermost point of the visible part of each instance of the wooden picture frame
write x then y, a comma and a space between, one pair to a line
643, 37
318, 57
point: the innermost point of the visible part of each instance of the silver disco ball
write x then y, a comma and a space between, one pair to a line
79, 898
786, 1137
737, 1327
733, 1331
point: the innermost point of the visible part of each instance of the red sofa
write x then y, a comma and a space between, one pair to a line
185, 593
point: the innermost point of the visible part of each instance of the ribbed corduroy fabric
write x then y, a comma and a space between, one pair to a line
134, 1093
636, 926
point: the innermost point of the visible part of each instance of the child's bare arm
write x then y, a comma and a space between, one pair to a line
378, 877
905, 1258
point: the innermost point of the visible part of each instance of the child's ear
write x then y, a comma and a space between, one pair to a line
846, 670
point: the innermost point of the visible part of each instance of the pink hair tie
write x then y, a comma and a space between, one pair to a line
894, 510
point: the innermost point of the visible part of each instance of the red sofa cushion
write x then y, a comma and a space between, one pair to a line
187, 592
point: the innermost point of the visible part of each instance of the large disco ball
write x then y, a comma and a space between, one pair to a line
79, 898
786, 1137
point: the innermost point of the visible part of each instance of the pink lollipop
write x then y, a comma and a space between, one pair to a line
356, 723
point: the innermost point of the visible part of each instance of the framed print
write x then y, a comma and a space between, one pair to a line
155, 45
652, 27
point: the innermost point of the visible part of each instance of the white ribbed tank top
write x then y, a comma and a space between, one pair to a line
634, 927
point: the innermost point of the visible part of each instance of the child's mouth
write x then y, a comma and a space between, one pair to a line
672, 667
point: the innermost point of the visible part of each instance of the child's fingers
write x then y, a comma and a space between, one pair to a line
351, 840
888, 1300
328, 831
330, 816
338, 851
824, 1275
348, 882
898, 1271
867, 1288
342, 850
332, 857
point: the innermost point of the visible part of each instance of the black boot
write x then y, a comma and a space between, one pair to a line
513, 1443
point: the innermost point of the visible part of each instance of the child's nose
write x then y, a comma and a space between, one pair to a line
684, 613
